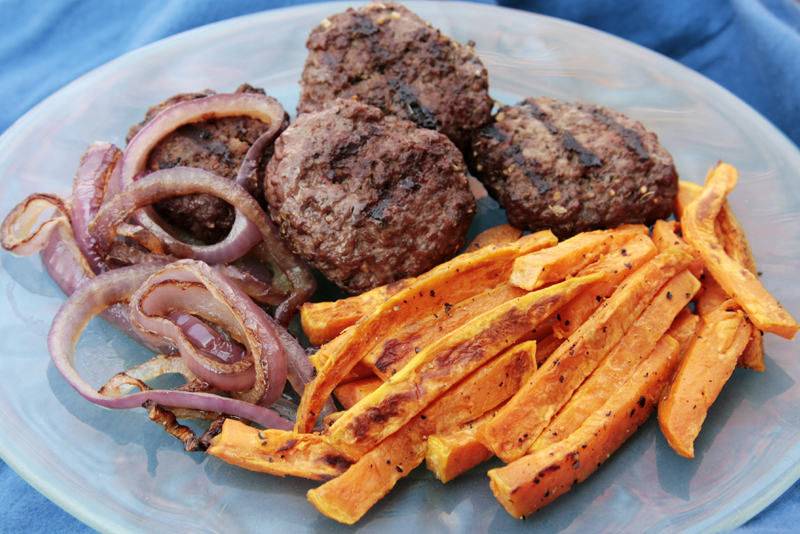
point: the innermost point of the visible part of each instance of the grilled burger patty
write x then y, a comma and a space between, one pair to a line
573, 167
217, 145
388, 57
367, 198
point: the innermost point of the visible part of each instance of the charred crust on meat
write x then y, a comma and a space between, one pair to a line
216, 145
383, 200
386, 56
572, 168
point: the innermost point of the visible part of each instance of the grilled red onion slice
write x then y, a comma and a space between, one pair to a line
186, 180
255, 287
243, 234
15, 232
96, 295
97, 165
64, 261
206, 339
193, 287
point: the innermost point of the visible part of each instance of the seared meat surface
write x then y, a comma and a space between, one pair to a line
367, 198
573, 168
388, 57
216, 145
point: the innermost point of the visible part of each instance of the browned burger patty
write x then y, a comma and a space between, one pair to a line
390, 58
217, 145
366, 198
573, 168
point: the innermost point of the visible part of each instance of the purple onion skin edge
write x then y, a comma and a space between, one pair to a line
91, 298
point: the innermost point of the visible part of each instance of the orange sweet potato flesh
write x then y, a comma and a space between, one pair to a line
698, 225
352, 392
526, 485
547, 346
665, 235
687, 193
556, 263
621, 362
358, 372
394, 352
349, 497
439, 366
453, 281
452, 453
684, 328
703, 371
497, 235
526, 415
324, 321
279, 452
731, 234
617, 265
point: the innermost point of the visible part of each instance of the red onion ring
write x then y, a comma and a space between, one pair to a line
242, 235
180, 181
64, 261
206, 339
94, 171
96, 295
256, 288
193, 287
15, 232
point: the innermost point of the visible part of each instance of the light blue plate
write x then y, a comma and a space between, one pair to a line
120, 473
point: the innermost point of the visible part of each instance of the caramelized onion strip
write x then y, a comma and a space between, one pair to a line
194, 288
180, 181
96, 295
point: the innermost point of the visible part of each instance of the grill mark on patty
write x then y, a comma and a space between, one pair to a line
632, 140
407, 98
587, 157
540, 185
537, 113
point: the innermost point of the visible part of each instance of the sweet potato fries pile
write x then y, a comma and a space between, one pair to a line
547, 355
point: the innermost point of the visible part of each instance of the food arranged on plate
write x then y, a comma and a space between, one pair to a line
545, 342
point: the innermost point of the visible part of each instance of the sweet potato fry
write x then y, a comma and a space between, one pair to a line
732, 236
395, 351
524, 486
279, 452
324, 321
703, 371
358, 372
439, 366
557, 263
497, 235
683, 328
520, 422
738, 282
617, 367
547, 346
453, 281
452, 453
710, 296
617, 265
665, 235
738, 248
352, 392
687, 193
348, 497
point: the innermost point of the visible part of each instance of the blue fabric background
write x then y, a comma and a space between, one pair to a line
750, 47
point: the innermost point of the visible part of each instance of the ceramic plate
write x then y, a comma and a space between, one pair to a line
120, 473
